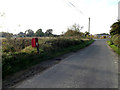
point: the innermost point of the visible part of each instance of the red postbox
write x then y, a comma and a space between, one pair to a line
35, 42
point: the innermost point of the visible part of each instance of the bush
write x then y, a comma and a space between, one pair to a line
110, 42
29, 49
15, 45
115, 48
72, 33
104, 37
114, 37
116, 40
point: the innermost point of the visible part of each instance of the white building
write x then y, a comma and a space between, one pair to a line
101, 35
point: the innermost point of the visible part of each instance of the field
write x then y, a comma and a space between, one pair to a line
18, 54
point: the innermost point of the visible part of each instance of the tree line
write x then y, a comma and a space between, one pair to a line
74, 30
29, 33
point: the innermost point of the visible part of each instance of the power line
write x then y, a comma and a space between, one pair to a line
75, 7
70, 4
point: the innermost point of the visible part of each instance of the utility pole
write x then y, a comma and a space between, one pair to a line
119, 10
89, 26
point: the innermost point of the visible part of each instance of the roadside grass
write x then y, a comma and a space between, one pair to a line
115, 48
17, 61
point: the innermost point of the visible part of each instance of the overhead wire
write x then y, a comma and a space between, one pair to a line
75, 7
70, 4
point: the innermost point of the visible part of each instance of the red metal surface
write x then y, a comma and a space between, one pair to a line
34, 41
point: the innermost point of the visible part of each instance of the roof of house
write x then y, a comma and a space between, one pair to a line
102, 34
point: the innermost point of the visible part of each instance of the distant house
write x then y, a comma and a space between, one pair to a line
21, 34
56, 35
15, 35
101, 35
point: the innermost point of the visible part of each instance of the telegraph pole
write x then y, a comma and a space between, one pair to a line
89, 26
119, 10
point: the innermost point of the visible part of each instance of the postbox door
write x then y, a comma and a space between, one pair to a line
33, 42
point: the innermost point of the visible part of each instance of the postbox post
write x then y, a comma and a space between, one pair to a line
37, 49
37, 45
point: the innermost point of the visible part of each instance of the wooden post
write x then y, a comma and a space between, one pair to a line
119, 10
38, 50
37, 46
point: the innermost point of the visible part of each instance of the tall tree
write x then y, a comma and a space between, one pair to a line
76, 27
6, 34
49, 32
74, 30
115, 28
29, 33
39, 33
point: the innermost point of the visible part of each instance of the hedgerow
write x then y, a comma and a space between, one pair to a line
20, 59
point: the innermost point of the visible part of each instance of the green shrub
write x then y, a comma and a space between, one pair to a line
114, 37
104, 37
29, 49
110, 42
115, 48
15, 45
116, 40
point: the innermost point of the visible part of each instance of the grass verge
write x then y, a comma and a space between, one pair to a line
115, 48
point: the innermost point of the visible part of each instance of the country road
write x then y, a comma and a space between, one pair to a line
92, 67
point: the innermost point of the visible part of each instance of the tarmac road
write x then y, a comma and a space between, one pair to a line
92, 67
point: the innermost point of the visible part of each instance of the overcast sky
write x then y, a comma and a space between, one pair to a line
58, 15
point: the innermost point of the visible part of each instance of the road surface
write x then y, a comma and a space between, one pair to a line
92, 67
